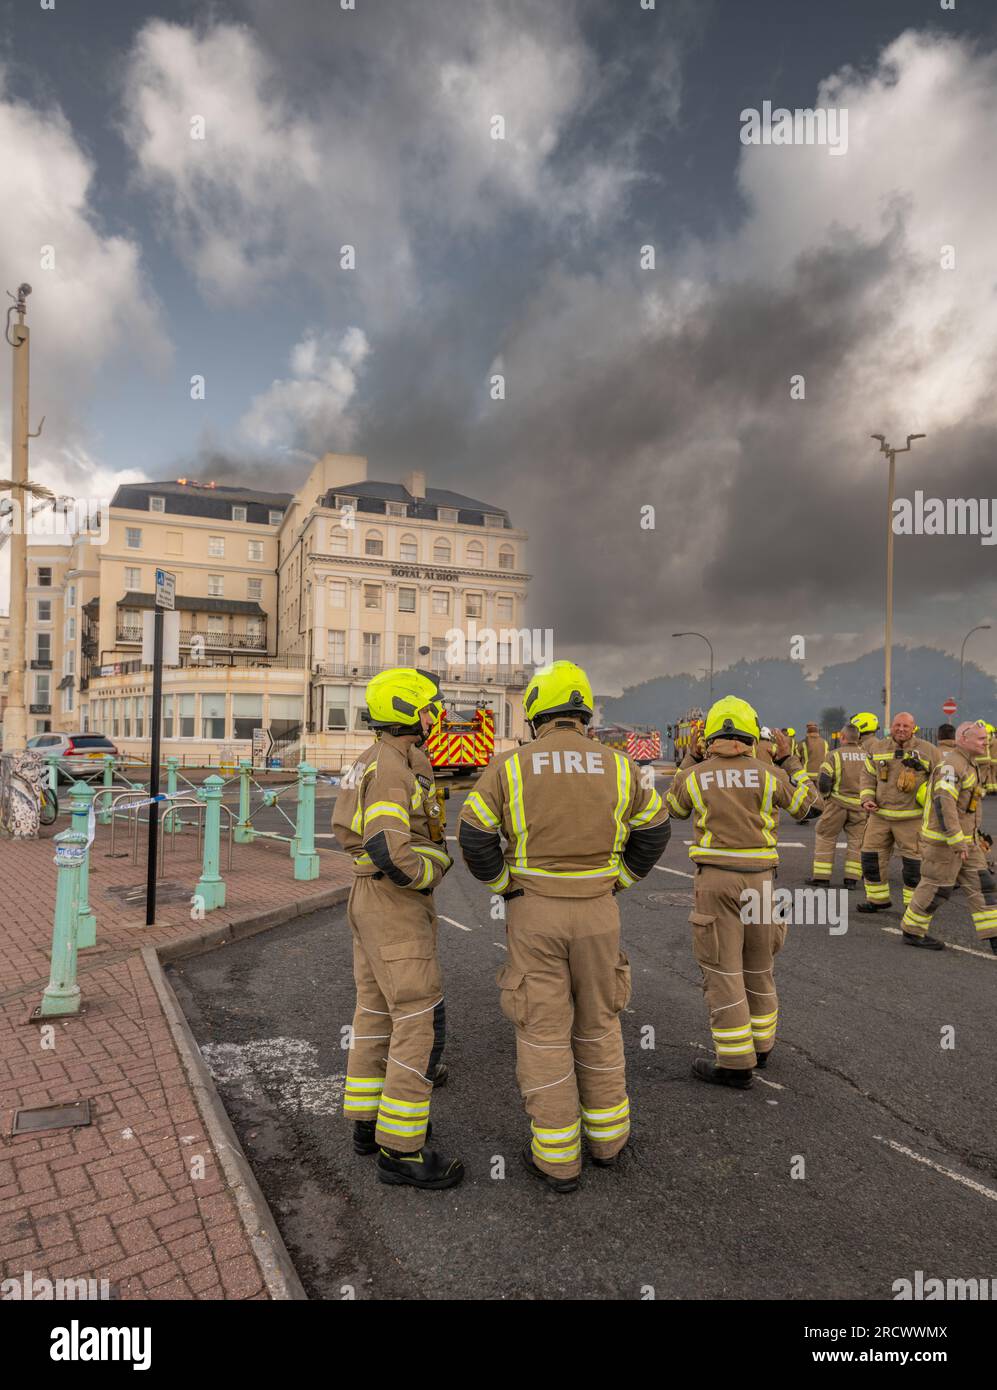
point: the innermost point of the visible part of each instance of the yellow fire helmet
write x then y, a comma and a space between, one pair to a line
395, 698
732, 718
560, 688
866, 722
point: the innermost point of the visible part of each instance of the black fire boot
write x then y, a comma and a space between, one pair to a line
704, 1070
555, 1184
363, 1136
927, 943
424, 1169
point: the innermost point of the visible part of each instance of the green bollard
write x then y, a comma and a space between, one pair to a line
81, 795
62, 993
211, 887
108, 790
244, 826
303, 841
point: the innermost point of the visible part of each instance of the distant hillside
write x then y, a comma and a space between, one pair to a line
923, 678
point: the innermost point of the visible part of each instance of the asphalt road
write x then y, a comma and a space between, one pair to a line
891, 1134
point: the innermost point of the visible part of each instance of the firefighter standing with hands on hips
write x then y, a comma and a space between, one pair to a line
952, 855
896, 769
388, 817
580, 823
735, 799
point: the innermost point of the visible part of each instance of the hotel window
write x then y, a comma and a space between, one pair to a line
133, 537
373, 543
247, 715
339, 541
472, 605
441, 552
256, 550
44, 610
133, 577
504, 606
475, 553
167, 716
216, 585
372, 595
254, 588
337, 593
406, 600
408, 550
441, 601
45, 576
157, 504
276, 517
372, 649
213, 716
216, 547
507, 558
238, 513
335, 647
396, 509
406, 650
185, 716
448, 514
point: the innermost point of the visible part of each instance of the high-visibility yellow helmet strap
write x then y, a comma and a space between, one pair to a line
560, 688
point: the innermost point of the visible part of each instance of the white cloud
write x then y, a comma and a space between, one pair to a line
313, 405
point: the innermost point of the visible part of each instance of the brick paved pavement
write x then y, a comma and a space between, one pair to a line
123, 1199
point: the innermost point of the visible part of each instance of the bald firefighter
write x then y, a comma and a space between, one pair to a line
896, 769
388, 817
579, 824
952, 853
867, 724
839, 783
735, 798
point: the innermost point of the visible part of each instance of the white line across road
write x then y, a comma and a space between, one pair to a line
680, 873
949, 945
452, 922
987, 1192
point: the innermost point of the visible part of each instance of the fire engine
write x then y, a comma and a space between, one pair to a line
639, 742
462, 740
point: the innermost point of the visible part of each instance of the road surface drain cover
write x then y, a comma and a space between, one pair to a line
68, 1115
135, 895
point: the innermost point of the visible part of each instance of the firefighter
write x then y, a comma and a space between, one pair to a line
812, 750
389, 818
868, 726
895, 770
580, 824
736, 798
951, 851
839, 783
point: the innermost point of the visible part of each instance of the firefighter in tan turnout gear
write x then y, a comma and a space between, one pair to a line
952, 855
840, 784
896, 769
389, 818
579, 823
735, 799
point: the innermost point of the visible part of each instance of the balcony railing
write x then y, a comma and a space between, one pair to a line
213, 641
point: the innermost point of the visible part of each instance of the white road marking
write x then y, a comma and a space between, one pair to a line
949, 945
681, 874
946, 1172
286, 1068
452, 922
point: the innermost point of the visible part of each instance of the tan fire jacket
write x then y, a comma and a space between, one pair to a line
736, 800
389, 818
952, 805
578, 819
841, 775
885, 767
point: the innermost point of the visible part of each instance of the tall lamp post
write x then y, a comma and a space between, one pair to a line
981, 627
891, 454
709, 644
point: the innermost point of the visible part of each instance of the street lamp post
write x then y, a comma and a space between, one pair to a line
709, 644
891, 453
981, 627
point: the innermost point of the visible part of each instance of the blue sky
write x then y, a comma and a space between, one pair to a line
625, 388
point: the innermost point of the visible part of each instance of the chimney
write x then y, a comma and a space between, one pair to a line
415, 484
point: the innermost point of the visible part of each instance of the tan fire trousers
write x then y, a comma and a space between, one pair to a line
942, 871
881, 834
737, 961
564, 985
835, 819
399, 1027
